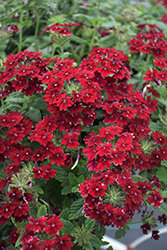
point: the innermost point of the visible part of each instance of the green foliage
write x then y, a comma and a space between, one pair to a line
76, 209
42, 210
121, 232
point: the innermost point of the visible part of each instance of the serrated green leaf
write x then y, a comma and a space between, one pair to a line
74, 190
73, 179
67, 227
64, 213
164, 163
164, 193
39, 103
162, 174
120, 233
81, 179
33, 209
95, 242
62, 176
37, 189
76, 209
42, 211
89, 224
66, 190
33, 114
162, 208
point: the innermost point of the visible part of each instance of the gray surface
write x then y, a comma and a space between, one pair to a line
133, 234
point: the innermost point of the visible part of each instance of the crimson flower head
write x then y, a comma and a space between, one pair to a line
63, 243
155, 235
62, 29
53, 225
13, 28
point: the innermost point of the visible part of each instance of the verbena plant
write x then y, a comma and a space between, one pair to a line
83, 122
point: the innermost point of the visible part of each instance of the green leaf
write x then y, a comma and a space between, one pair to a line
39, 103
73, 179
67, 227
106, 41
33, 114
64, 213
87, 247
120, 233
95, 242
74, 190
66, 190
89, 224
78, 39
42, 211
110, 248
163, 208
76, 209
33, 209
162, 174
18, 243
37, 189
62, 176
164, 163
164, 193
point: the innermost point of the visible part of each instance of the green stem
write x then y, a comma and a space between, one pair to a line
3, 106
53, 50
95, 27
136, 222
36, 33
20, 32
56, 9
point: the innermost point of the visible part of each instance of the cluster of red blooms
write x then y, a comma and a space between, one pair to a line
73, 96
164, 3
149, 41
62, 29
49, 225
111, 196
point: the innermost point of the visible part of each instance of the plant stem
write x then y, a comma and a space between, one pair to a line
136, 222
3, 106
36, 33
95, 27
20, 32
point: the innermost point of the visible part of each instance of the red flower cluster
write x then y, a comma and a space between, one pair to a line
73, 96
149, 41
50, 225
112, 197
62, 29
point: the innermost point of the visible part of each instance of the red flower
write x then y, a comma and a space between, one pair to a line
155, 235
20, 209
63, 243
159, 138
155, 198
53, 225
37, 225
162, 219
70, 141
32, 244
14, 236
145, 227
13, 28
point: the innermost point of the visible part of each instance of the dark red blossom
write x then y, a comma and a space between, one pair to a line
145, 227
53, 225
63, 243
155, 198
14, 235
155, 235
